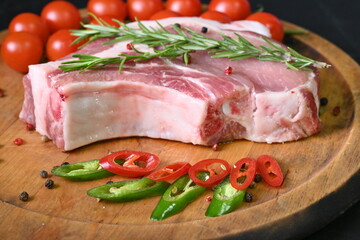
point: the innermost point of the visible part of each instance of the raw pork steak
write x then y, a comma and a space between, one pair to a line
197, 103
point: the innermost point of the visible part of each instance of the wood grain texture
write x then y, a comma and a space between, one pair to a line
322, 173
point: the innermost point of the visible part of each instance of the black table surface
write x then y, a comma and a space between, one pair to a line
335, 20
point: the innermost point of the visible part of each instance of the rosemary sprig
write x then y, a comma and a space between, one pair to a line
181, 42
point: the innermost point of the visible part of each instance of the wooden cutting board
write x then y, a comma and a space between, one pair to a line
322, 173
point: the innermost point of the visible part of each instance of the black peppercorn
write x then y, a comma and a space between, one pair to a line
204, 29
44, 174
108, 182
323, 101
64, 164
178, 25
24, 196
258, 178
248, 197
49, 184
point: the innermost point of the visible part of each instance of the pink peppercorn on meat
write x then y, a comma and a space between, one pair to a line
206, 102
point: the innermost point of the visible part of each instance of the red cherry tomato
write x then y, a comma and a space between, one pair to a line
115, 8
143, 9
164, 14
130, 163
214, 15
21, 49
243, 173
270, 170
108, 20
59, 45
170, 172
185, 7
29, 22
218, 169
235, 9
61, 15
270, 21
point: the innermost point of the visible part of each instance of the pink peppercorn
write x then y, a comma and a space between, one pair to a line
18, 141
228, 70
30, 127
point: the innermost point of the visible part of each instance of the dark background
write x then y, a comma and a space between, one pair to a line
335, 20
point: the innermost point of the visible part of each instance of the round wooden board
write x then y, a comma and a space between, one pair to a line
321, 173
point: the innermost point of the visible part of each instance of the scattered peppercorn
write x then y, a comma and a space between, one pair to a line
323, 101
248, 197
44, 138
49, 184
18, 141
2, 92
258, 178
24, 196
336, 111
108, 182
129, 46
30, 127
204, 29
228, 70
178, 25
64, 164
208, 199
44, 174
215, 147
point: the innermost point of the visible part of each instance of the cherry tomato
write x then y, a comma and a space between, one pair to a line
218, 169
61, 15
235, 9
29, 22
184, 7
214, 15
130, 163
170, 172
270, 170
243, 173
21, 49
270, 21
164, 14
108, 20
143, 9
115, 8
59, 45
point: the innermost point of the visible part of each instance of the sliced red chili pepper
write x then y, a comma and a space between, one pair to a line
218, 169
170, 172
270, 170
130, 163
243, 173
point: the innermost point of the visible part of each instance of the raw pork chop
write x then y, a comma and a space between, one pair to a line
197, 103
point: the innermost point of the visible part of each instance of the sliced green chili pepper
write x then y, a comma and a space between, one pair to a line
180, 194
82, 171
131, 190
226, 199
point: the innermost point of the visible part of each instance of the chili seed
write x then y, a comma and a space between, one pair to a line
252, 185
64, 164
44, 174
323, 101
18, 141
248, 197
336, 111
204, 29
258, 178
49, 184
24, 196
228, 70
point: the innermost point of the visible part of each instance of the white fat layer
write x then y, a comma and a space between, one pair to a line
156, 112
